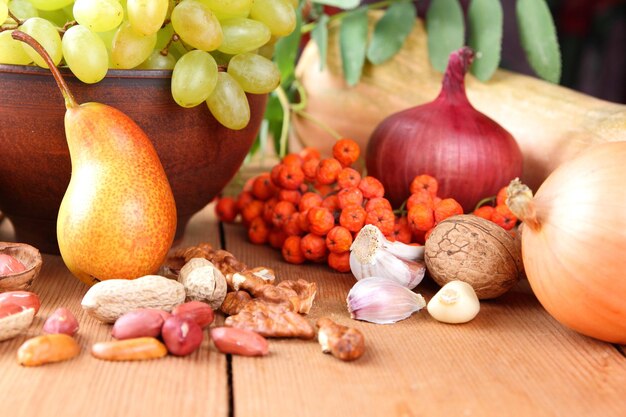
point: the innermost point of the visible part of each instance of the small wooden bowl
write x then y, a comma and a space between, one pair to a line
30, 257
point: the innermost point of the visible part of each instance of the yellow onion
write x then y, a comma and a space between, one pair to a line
573, 241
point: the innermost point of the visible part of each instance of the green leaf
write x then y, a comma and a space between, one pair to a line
391, 31
445, 27
353, 44
538, 38
286, 52
274, 117
320, 36
485, 36
344, 4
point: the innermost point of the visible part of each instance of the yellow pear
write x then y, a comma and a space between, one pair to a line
118, 216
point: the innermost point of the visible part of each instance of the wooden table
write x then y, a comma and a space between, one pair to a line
513, 360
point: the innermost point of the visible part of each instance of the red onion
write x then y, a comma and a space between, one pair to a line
470, 155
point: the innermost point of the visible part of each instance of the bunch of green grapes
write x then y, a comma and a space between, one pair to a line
197, 39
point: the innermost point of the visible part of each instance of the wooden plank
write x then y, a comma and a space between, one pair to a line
192, 386
513, 359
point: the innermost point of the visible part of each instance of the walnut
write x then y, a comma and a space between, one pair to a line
305, 290
234, 302
474, 250
345, 343
271, 320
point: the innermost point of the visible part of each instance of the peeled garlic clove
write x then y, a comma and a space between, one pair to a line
455, 302
372, 255
382, 301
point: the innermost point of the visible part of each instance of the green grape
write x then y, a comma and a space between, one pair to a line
267, 50
278, 15
146, 16
221, 58
196, 24
47, 35
50, 4
163, 36
228, 9
254, 73
228, 103
22, 9
4, 11
98, 15
157, 61
11, 51
56, 17
130, 49
243, 35
194, 78
85, 53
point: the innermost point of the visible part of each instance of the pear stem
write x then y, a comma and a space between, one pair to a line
70, 102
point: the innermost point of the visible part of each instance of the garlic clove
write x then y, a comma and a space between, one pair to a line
382, 301
456, 302
372, 255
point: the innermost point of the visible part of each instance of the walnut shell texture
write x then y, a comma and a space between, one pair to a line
474, 250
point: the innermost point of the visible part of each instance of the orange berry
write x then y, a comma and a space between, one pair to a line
501, 196
420, 197
309, 152
309, 200
352, 217
382, 218
309, 168
313, 247
243, 200
268, 209
401, 230
348, 178
303, 221
338, 239
371, 187
421, 218
377, 202
292, 159
282, 211
324, 189
484, 211
327, 171
290, 195
424, 182
258, 231
292, 250
290, 177
346, 151
349, 196
331, 202
262, 187
275, 171
447, 207
427, 235
247, 186
320, 220
276, 237
292, 225
339, 261
503, 217
252, 210
226, 209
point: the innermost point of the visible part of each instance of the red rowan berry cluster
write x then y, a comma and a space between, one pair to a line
311, 208
499, 213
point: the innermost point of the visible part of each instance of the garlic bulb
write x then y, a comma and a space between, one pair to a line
372, 255
382, 301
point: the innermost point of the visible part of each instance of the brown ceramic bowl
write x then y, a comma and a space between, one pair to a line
199, 155
29, 257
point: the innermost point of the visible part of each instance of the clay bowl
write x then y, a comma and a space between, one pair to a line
27, 255
199, 155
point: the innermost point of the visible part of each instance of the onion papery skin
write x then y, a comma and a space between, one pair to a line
575, 259
469, 154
